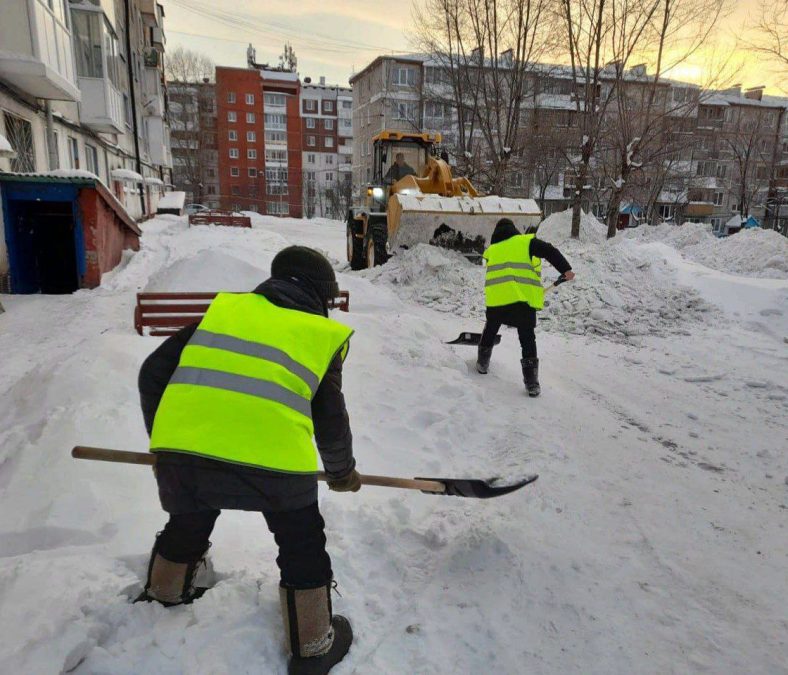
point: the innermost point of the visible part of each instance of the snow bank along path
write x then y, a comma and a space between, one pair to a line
654, 541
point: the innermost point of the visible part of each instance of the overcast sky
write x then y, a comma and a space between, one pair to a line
338, 37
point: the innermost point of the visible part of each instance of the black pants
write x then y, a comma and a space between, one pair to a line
303, 561
524, 332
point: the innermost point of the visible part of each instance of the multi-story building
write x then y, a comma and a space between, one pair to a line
82, 88
195, 153
259, 139
327, 129
720, 154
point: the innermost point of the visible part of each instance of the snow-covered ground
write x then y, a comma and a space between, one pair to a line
654, 541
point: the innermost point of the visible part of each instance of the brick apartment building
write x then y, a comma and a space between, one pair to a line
259, 134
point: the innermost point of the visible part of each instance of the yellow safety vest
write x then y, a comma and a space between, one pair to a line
513, 275
244, 385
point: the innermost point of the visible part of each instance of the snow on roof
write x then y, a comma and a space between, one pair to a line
152, 180
278, 75
172, 200
5, 148
71, 173
126, 174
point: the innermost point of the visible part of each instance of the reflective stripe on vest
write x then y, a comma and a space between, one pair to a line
244, 384
512, 275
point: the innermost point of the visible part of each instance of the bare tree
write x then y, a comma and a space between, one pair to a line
483, 53
186, 65
768, 37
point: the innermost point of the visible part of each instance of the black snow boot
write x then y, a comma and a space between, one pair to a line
531, 375
483, 359
316, 638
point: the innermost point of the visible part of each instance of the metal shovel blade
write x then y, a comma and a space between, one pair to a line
480, 489
472, 339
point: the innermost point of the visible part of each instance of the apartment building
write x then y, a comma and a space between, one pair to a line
195, 150
82, 88
727, 152
327, 129
83, 109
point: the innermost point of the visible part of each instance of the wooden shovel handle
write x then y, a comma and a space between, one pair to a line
149, 459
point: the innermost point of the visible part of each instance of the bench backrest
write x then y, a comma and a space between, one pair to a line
167, 313
227, 218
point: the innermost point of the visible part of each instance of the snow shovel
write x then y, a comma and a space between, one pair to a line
473, 339
456, 487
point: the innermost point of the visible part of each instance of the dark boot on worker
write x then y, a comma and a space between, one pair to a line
176, 583
531, 375
316, 639
483, 359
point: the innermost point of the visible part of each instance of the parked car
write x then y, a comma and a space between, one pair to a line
195, 208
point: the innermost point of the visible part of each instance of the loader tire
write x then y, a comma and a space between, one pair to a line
376, 253
355, 250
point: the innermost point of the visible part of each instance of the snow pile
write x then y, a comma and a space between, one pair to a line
557, 228
620, 292
754, 252
209, 270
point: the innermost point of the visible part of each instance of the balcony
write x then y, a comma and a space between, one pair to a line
36, 55
157, 37
102, 105
696, 209
158, 141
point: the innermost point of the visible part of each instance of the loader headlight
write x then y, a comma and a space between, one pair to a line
377, 193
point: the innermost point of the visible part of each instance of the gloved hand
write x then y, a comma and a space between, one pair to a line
349, 483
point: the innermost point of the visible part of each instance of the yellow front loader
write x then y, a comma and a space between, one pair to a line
428, 205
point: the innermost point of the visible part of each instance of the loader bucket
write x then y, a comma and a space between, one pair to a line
469, 221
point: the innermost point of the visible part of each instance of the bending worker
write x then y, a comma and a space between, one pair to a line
513, 293
231, 405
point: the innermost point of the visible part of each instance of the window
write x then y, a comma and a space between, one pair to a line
310, 141
346, 124
250, 118
328, 141
250, 99
666, 211
329, 177
276, 188
251, 153
211, 173
233, 135
275, 155
328, 125
235, 190
278, 208
276, 175
91, 159
231, 116
251, 137
330, 160
707, 168
722, 170
275, 137
718, 198
252, 172
310, 123
404, 76
434, 109
328, 106
231, 97
211, 189
73, 152
20, 136
310, 104
235, 171
275, 99
347, 105
404, 111
276, 122
252, 207
310, 158
86, 27
234, 153
310, 176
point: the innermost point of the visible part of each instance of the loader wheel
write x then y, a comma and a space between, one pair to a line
376, 248
355, 250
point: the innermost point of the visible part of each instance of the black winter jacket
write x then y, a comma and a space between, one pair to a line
521, 314
190, 483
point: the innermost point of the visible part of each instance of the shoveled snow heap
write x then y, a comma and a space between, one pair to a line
620, 292
753, 253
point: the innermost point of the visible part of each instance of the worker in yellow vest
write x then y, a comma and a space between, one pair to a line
231, 405
513, 293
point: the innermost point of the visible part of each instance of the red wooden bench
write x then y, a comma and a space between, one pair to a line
167, 313
216, 217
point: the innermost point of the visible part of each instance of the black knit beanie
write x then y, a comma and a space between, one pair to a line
504, 229
306, 264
